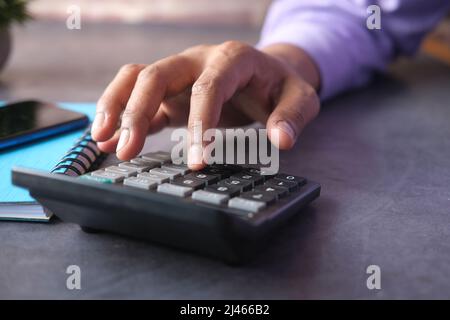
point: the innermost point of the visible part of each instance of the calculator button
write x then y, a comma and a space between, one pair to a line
140, 182
189, 182
183, 169
253, 170
290, 178
279, 192
150, 164
210, 197
126, 172
254, 179
169, 173
163, 154
263, 172
289, 185
174, 190
160, 156
114, 177
261, 196
206, 178
230, 182
257, 171
159, 179
226, 190
137, 167
221, 173
96, 179
246, 204
228, 167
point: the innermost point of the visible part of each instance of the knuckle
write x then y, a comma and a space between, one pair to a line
130, 68
312, 101
132, 118
298, 117
196, 49
234, 48
195, 122
233, 45
130, 114
151, 72
108, 103
206, 86
308, 98
103, 103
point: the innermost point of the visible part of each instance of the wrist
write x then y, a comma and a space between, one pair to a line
297, 59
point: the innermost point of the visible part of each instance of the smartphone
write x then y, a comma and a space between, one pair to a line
27, 121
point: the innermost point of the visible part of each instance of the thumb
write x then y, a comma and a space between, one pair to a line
297, 106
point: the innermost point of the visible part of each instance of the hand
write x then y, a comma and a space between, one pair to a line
231, 84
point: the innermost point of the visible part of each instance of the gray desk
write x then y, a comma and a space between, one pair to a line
382, 155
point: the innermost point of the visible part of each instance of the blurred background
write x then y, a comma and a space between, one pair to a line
49, 61
206, 12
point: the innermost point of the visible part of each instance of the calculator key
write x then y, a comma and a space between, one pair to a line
266, 197
228, 167
150, 164
114, 177
279, 192
246, 204
254, 179
138, 167
226, 190
206, 178
230, 182
222, 173
289, 185
174, 190
160, 156
300, 181
155, 177
252, 170
210, 197
163, 154
189, 182
257, 171
182, 168
169, 173
126, 172
140, 182
96, 179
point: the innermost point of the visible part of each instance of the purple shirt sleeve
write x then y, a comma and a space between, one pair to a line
334, 33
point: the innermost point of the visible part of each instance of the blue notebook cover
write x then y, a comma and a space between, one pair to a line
42, 154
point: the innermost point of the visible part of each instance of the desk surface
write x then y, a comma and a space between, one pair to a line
382, 156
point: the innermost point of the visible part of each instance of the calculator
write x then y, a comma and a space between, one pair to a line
224, 211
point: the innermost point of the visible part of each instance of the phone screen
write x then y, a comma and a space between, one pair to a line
29, 120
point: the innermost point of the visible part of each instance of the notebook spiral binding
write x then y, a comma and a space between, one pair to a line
83, 157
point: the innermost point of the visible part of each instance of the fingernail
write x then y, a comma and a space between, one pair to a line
124, 136
195, 154
286, 128
98, 121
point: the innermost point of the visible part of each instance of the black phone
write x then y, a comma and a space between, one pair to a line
27, 121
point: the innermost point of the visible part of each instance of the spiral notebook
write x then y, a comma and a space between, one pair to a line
84, 156
69, 154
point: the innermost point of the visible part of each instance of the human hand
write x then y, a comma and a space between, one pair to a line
231, 84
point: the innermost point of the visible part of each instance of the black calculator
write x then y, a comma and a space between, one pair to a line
224, 211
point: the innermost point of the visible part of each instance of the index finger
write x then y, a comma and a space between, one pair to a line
162, 80
229, 69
